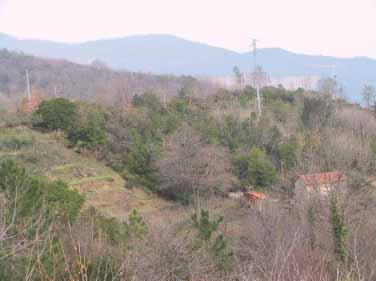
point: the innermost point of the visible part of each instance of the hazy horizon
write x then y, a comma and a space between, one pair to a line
337, 28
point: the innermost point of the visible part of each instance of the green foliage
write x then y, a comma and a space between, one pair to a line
88, 135
180, 107
136, 226
254, 169
88, 131
56, 114
287, 154
230, 132
339, 230
113, 231
223, 257
104, 268
29, 197
208, 129
33, 205
206, 228
373, 150
280, 110
63, 202
141, 154
217, 246
148, 100
133, 143
236, 134
277, 95
247, 96
135, 139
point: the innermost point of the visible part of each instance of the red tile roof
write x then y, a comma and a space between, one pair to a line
322, 178
253, 195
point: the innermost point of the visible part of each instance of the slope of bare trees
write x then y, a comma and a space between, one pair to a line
58, 78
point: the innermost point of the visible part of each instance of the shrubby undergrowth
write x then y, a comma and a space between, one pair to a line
195, 150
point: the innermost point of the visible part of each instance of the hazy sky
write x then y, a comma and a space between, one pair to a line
329, 27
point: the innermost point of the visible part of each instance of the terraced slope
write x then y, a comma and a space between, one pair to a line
48, 155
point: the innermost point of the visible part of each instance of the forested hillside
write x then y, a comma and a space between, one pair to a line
192, 188
59, 78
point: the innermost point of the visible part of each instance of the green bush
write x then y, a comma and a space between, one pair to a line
148, 100
339, 230
136, 227
89, 135
287, 154
255, 169
208, 239
33, 195
247, 95
230, 132
56, 114
373, 150
133, 142
280, 110
88, 130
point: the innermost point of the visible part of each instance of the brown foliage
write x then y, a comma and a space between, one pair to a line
189, 164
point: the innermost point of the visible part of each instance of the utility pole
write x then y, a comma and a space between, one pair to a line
257, 82
28, 86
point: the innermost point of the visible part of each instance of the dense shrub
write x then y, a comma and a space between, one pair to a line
32, 195
87, 136
56, 114
287, 154
280, 110
133, 142
230, 132
88, 131
255, 169
247, 95
208, 238
272, 94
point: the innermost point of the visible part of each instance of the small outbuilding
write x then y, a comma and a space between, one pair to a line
320, 183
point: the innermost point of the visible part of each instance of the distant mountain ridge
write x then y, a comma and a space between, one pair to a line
166, 54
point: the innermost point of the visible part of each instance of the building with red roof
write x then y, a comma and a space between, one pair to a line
321, 183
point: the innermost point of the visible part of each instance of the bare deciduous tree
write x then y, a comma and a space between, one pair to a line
191, 166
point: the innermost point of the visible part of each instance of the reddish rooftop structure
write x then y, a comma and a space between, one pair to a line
317, 179
320, 183
253, 196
